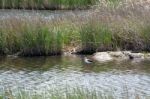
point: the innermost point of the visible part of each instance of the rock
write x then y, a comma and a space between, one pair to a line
137, 55
102, 56
118, 55
134, 55
126, 53
147, 56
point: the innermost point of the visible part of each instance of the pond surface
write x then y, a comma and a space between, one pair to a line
44, 14
56, 72
39, 74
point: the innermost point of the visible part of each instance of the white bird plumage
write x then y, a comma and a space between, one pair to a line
86, 60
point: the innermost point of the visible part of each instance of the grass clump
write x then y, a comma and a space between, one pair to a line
145, 35
2, 43
41, 41
95, 37
72, 93
46, 4
30, 40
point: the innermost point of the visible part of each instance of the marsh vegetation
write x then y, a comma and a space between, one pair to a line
108, 25
46, 4
124, 26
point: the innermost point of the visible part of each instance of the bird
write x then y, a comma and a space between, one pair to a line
131, 57
88, 61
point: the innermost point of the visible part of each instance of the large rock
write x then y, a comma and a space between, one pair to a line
134, 55
102, 56
147, 56
137, 55
118, 55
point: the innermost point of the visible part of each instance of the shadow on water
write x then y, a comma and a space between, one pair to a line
29, 64
73, 62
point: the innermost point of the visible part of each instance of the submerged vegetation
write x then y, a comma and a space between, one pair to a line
124, 26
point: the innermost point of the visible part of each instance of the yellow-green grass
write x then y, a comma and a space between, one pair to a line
46, 4
31, 39
95, 37
103, 29
71, 93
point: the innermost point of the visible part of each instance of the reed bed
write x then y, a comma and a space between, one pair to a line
125, 26
46, 4
30, 39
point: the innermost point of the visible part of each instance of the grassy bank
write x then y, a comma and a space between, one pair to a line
30, 39
74, 93
124, 27
46, 4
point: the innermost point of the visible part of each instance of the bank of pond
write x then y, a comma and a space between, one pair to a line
25, 38
122, 27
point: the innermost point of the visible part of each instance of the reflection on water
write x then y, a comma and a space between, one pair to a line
57, 72
44, 14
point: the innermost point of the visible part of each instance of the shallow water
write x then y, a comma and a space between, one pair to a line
44, 14
38, 74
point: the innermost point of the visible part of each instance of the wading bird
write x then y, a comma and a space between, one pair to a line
86, 60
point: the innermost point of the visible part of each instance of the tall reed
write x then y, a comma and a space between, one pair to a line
95, 37
28, 39
46, 4
125, 27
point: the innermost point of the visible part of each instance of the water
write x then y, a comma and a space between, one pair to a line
38, 74
44, 14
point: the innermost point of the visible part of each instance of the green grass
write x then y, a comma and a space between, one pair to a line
55, 4
31, 40
75, 93
95, 36
42, 39
103, 30
46, 4
145, 35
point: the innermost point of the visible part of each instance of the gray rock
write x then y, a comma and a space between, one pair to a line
137, 55
118, 55
147, 56
102, 57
